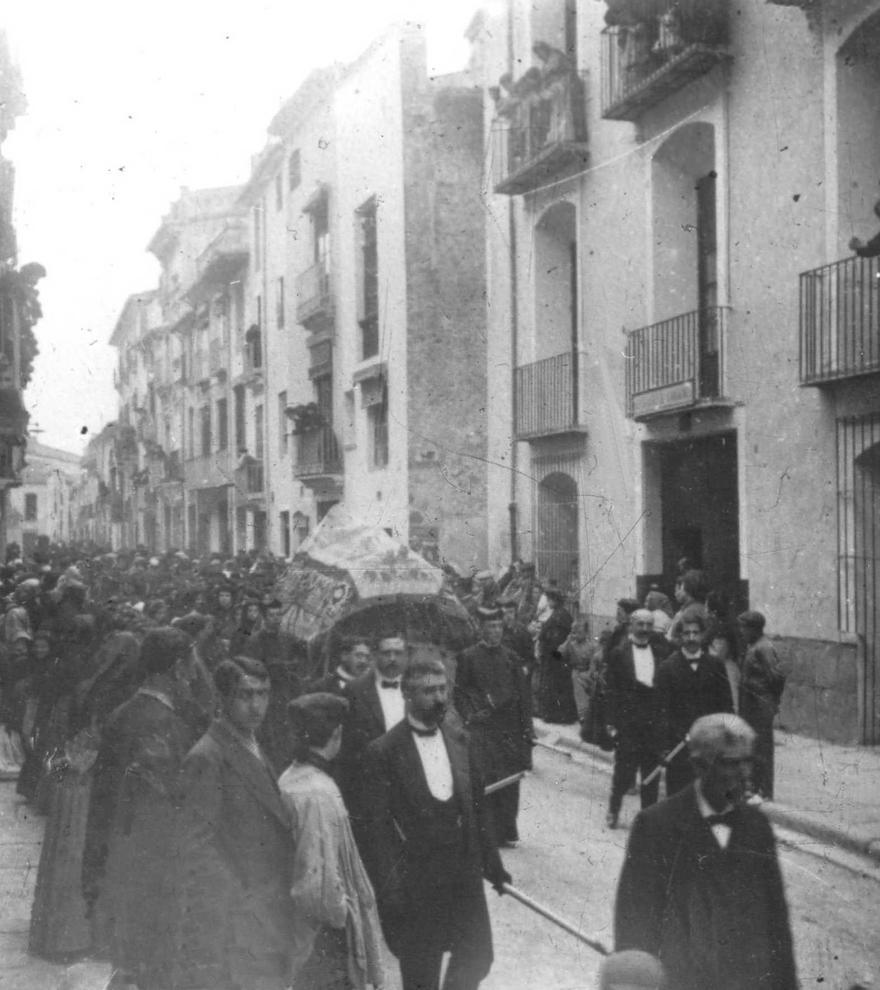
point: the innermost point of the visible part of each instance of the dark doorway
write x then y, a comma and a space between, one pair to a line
866, 511
700, 510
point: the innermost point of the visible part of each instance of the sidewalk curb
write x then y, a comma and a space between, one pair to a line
806, 823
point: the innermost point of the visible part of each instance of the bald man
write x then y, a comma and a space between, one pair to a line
701, 887
633, 710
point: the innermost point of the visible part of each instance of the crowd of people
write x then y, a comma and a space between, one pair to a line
220, 814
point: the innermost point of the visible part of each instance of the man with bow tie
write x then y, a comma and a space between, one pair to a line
632, 712
690, 684
376, 705
701, 887
430, 840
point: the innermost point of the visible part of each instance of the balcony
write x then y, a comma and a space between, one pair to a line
314, 306
540, 132
317, 453
646, 58
840, 321
546, 398
676, 364
220, 262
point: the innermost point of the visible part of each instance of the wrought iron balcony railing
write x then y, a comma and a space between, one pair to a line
676, 363
540, 132
546, 397
314, 306
840, 321
655, 49
317, 453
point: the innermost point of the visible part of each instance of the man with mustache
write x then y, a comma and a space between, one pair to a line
430, 840
701, 887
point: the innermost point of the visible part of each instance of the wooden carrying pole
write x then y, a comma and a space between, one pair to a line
670, 756
518, 895
504, 782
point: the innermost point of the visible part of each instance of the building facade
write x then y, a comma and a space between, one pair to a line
693, 345
41, 506
318, 334
367, 288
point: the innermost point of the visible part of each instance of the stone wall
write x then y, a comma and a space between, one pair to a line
821, 692
446, 317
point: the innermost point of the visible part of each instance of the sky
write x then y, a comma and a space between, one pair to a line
130, 101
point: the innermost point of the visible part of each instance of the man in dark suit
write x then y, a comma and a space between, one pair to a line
690, 684
431, 841
632, 710
375, 705
701, 887
234, 921
492, 698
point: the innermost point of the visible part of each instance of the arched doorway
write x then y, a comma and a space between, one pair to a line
557, 532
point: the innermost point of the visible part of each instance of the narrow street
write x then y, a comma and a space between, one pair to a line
567, 861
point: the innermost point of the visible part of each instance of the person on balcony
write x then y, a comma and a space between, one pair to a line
867, 249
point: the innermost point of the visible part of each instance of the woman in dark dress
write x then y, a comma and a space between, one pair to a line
59, 926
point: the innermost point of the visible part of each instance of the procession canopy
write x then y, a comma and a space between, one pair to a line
352, 578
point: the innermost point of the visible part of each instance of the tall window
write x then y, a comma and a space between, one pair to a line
254, 342
369, 279
279, 191
294, 170
222, 424
205, 417
258, 236
30, 507
259, 423
321, 233
279, 302
284, 524
377, 422
191, 431
282, 423
240, 428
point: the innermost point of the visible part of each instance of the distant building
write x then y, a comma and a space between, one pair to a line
318, 334
96, 500
41, 506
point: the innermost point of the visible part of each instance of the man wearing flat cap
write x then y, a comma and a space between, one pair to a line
335, 935
701, 887
493, 699
762, 680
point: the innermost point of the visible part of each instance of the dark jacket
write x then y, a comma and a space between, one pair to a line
363, 723
493, 700
234, 867
127, 871
684, 695
627, 700
403, 853
715, 917
427, 866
